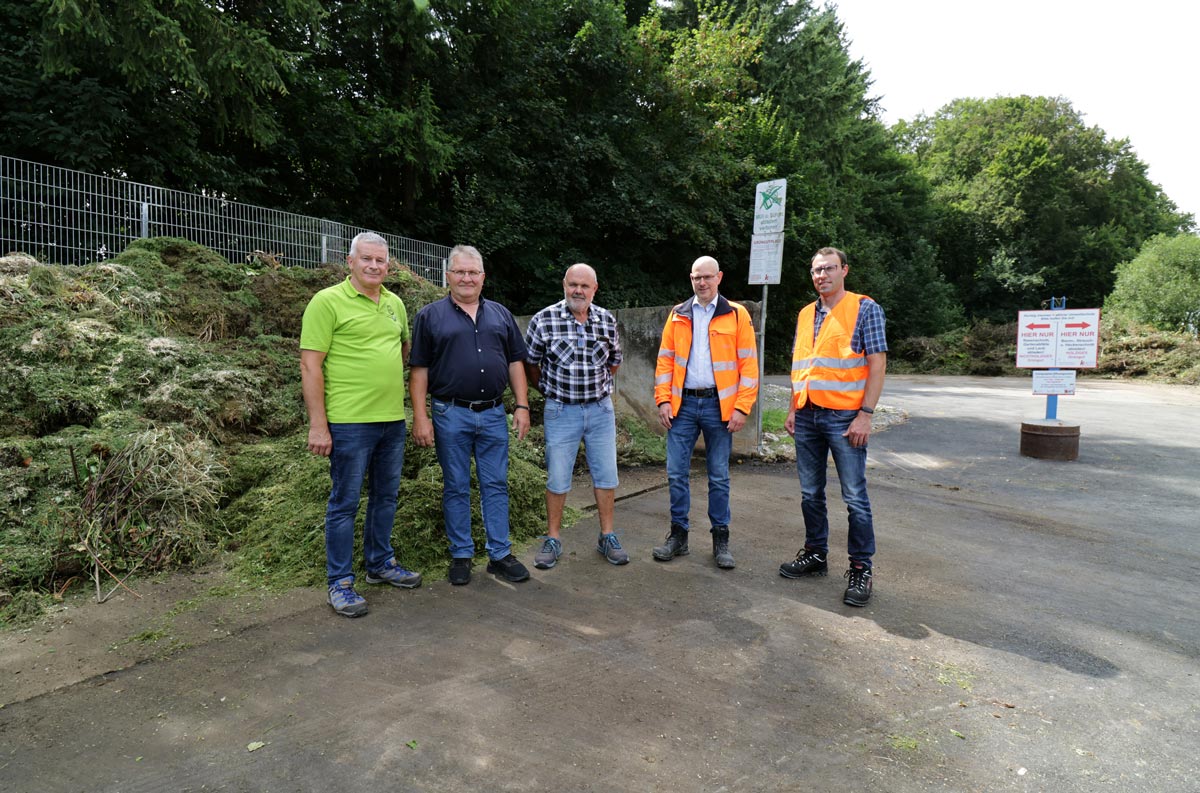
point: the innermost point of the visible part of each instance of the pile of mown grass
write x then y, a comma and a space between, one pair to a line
1127, 349
150, 414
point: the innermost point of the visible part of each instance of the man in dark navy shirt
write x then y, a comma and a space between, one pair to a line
465, 351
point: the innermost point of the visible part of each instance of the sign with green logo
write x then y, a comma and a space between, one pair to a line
768, 206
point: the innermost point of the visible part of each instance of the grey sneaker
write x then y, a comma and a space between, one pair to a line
610, 546
394, 574
548, 556
345, 600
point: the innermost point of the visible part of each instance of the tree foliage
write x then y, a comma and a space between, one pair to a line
1031, 201
625, 133
1161, 285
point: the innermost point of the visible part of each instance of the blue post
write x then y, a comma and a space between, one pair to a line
1056, 304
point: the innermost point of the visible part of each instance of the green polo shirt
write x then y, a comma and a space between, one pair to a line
362, 341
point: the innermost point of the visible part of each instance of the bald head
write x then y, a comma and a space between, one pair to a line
579, 287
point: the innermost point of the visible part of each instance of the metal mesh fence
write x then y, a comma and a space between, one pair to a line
70, 217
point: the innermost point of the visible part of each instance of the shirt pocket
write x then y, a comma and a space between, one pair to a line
561, 351
599, 353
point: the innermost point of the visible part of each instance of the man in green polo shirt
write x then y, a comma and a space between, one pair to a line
353, 343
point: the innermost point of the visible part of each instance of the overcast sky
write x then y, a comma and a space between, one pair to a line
1131, 68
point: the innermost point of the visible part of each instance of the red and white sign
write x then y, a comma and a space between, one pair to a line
1067, 339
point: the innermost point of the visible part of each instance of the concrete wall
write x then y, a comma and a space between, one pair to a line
641, 333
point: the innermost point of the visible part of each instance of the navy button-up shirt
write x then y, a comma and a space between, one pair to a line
466, 359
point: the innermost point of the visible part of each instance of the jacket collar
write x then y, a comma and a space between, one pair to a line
684, 309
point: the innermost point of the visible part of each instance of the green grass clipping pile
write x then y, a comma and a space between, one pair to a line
152, 417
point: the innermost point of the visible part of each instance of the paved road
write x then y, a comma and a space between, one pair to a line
1035, 628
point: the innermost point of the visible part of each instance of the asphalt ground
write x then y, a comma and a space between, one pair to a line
1034, 628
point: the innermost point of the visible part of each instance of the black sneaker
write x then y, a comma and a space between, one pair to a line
509, 568
676, 544
460, 571
807, 563
858, 591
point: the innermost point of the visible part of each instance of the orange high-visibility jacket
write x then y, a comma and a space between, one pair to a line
828, 372
734, 357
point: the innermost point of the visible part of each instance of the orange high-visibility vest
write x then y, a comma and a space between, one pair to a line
828, 372
734, 357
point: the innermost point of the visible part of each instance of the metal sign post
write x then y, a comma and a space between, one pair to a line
766, 260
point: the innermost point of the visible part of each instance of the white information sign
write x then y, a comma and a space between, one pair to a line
1067, 339
1059, 383
769, 198
766, 258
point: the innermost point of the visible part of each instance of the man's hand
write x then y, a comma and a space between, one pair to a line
664, 414
736, 421
789, 423
422, 431
859, 430
320, 442
521, 423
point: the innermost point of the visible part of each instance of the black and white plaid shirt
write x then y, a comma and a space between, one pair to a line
575, 359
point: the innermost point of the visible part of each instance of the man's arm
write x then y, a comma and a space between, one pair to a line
418, 389
312, 385
860, 429
664, 372
533, 375
520, 389
747, 355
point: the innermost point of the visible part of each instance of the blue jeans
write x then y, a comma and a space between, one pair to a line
819, 432
566, 425
699, 415
375, 451
461, 434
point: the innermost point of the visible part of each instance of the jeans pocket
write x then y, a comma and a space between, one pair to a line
440, 408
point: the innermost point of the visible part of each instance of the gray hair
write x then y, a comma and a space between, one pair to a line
464, 250
369, 237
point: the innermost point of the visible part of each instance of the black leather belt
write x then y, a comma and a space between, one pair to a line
700, 392
577, 401
476, 405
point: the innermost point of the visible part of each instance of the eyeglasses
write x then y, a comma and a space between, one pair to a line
826, 270
466, 273
703, 277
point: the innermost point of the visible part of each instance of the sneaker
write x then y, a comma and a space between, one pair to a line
345, 600
394, 574
610, 546
807, 563
858, 590
509, 568
460, 571
548, 556
720, 537
676, 544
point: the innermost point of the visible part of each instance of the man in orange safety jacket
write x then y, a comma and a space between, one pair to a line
838, 361
706, 382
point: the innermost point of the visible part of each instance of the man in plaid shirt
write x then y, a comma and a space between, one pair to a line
573, 353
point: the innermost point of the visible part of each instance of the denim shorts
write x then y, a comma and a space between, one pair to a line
566, 425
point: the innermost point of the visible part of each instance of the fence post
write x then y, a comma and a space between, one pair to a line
145, 219
324, 249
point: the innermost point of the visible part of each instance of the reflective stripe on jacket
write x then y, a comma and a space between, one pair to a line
734, 357
828, 372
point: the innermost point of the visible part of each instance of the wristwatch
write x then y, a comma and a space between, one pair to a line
867, 410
